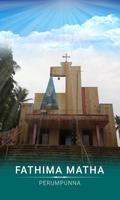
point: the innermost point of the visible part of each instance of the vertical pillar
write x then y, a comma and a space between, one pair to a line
28, 130
74, 132
78, 134
104, 137
98, 135
34, 133
79, 138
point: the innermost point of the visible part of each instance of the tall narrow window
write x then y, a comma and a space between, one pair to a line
87, 137
44, 136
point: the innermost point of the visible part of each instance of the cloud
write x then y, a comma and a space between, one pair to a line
105, 29
102, 22
95, 45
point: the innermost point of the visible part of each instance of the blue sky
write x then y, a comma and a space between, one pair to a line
24, 17
41, 32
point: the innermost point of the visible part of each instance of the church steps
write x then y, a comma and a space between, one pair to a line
40, 152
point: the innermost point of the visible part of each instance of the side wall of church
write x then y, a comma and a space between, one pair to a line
109, 130
90, 100
27, 108
38, 101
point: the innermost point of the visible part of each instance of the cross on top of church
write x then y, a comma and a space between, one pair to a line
66, 57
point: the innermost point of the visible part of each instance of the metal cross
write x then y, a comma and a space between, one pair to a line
66, 56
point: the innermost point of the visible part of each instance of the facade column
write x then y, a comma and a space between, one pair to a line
78, 134
74, 129
79, 138
34, 133
104, 137
98, 135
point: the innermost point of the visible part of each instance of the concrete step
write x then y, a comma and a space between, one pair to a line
39, 152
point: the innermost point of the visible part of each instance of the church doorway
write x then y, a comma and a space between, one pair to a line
87, 137
65, 137
44, 136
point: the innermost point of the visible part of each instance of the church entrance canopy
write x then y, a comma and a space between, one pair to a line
66, 120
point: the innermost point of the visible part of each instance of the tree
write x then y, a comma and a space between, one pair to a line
7, 67
21, 94
13, 108
11, 95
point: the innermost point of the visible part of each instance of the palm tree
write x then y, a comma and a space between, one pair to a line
8, 68
13, 108
21, 94
11, 95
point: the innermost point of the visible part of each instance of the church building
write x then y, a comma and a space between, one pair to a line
74, 117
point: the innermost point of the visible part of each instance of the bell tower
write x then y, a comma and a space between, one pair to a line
73, 97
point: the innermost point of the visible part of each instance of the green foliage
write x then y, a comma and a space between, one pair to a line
11, 95
7, 66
